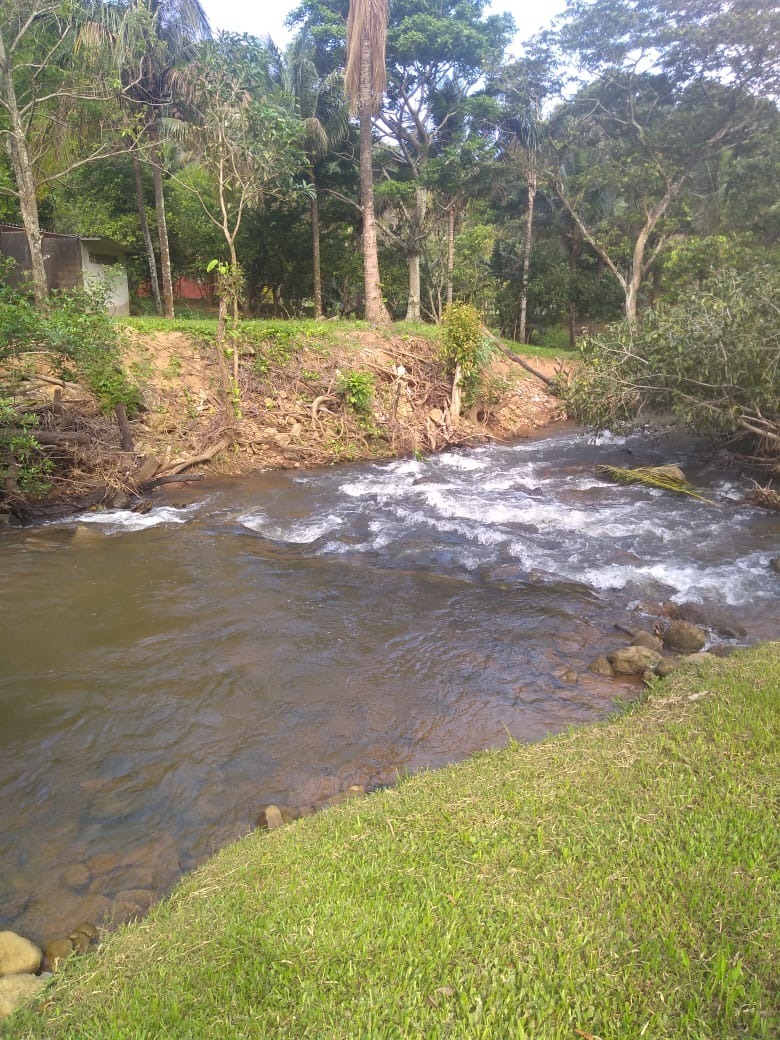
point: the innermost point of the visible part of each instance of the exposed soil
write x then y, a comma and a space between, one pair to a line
291, 411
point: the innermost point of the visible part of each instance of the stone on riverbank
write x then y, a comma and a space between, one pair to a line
633, 660
18, 956
647, 640
270, 818
601, 666
16, 990
684, 637
56, 951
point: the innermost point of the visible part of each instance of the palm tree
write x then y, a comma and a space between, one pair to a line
319, 104
171, 38
364, 81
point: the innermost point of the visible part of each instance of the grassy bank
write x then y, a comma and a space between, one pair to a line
618, 882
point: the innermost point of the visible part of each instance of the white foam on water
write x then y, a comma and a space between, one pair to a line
117, 521
302, 532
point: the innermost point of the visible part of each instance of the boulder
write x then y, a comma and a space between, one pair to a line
666, 666
774, 563
648, 640
601, 666
16, 990
56, 951
633, 660
18, 956
684, 637
270, 818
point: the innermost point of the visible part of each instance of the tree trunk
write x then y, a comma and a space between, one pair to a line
456, 399
147, 237
413, 302
162, 223
125, 433
413, 255
522, 332
450, 252
376, 312
16, 144
315, 252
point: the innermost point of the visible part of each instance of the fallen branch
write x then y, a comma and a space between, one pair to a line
50, 436
196, 460
173, 478
515, 357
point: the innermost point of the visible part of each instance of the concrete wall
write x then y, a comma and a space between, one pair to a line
69, 261
102, 260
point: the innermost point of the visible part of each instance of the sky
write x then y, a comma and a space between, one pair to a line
267, 17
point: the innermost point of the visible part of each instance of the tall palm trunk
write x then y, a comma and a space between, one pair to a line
162, 223
450, 251
365, 79
144, 224
375, 309
315, 251
413, 255
522, 333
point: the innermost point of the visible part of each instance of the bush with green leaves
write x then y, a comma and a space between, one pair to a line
356, 389
711, 361
465, 345
82, 343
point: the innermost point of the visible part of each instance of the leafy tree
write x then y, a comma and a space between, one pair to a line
711, 359
319, 104
57, 111
168, 37
669, 88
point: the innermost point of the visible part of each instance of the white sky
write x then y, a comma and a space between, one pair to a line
266, 17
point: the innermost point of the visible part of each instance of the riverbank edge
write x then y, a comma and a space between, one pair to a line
620, 880
295, 409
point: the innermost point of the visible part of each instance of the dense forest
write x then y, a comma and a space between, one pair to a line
620, 174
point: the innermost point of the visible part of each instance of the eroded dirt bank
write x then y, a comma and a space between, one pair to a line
307, 396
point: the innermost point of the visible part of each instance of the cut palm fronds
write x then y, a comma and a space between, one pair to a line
668, 478
766, 497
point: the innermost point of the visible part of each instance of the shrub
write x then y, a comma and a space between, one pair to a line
356, 389
464, 345
712, 361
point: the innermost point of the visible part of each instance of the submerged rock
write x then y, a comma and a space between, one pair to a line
18, 956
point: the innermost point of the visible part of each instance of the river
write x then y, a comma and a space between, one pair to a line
277, 638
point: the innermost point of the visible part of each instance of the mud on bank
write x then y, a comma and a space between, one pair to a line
309, 394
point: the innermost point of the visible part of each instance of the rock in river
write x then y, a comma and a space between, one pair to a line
633, 660
684, 637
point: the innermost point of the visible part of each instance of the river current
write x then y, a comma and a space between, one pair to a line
278, 638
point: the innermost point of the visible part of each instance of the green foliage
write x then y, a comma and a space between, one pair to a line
464, 345
356, 390
77, 330
711, 360
20, 449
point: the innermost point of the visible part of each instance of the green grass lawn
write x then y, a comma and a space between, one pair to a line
620, 881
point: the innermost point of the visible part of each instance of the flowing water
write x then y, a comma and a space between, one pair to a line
281, 637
